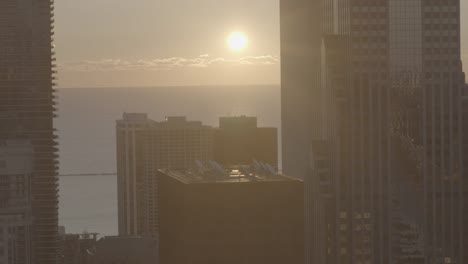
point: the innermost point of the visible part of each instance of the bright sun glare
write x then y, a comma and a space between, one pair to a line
237, 41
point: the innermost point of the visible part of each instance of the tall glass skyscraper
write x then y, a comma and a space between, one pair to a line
26, 117
372, 119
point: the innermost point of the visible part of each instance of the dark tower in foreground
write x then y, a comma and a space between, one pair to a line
233, 217
27, 112
378, 85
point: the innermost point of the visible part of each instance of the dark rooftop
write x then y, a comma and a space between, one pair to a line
216, 174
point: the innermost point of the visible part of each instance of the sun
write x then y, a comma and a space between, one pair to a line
237, 41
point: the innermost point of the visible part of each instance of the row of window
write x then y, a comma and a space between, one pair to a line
440, 26
441, 51
441, 6
344, 215
444, 39
442, 63
380, 27
367, 51
360, 6
367, 227
440, 75
369, 21
370, 39
430, 14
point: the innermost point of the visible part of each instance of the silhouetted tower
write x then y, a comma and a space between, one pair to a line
239, 141
27, 110
233, 216
377, 86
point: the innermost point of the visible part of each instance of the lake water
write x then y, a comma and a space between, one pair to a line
86, 127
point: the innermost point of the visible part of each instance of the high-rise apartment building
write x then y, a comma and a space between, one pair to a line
377, 85
238, 216
143, 147
27, 112
16, 165
239, 141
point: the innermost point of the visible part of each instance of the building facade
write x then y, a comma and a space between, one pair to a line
240, 216
144, 146
125, 250
16, 166
27, 111
77, 248
239, 141
384, 130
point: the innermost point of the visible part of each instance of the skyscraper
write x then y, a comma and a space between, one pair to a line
383, 103
239, 141
245, 215
15, 202
143, 147
27, 111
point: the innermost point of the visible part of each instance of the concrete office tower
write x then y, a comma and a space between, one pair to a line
27, 108
239, 141
378, 85
230, 217
16, 167
144, 146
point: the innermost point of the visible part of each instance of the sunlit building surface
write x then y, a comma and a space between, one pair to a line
235, 216
378, 87
27, 111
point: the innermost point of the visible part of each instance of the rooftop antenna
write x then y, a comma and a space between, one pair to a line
256, 164
217, 168
271, 170
256, 167
264, 169
201, 167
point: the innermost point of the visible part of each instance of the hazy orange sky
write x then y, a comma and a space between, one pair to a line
115, 43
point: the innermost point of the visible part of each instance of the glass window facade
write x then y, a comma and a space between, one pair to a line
392, 106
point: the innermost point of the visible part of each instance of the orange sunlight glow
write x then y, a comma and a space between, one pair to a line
237, 41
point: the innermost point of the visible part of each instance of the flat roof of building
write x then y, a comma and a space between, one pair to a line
241, 174
168, 122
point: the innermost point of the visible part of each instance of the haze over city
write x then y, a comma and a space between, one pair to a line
233, 132
159, 43
120, 43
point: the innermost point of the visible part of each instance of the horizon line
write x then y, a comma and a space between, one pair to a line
167, 86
